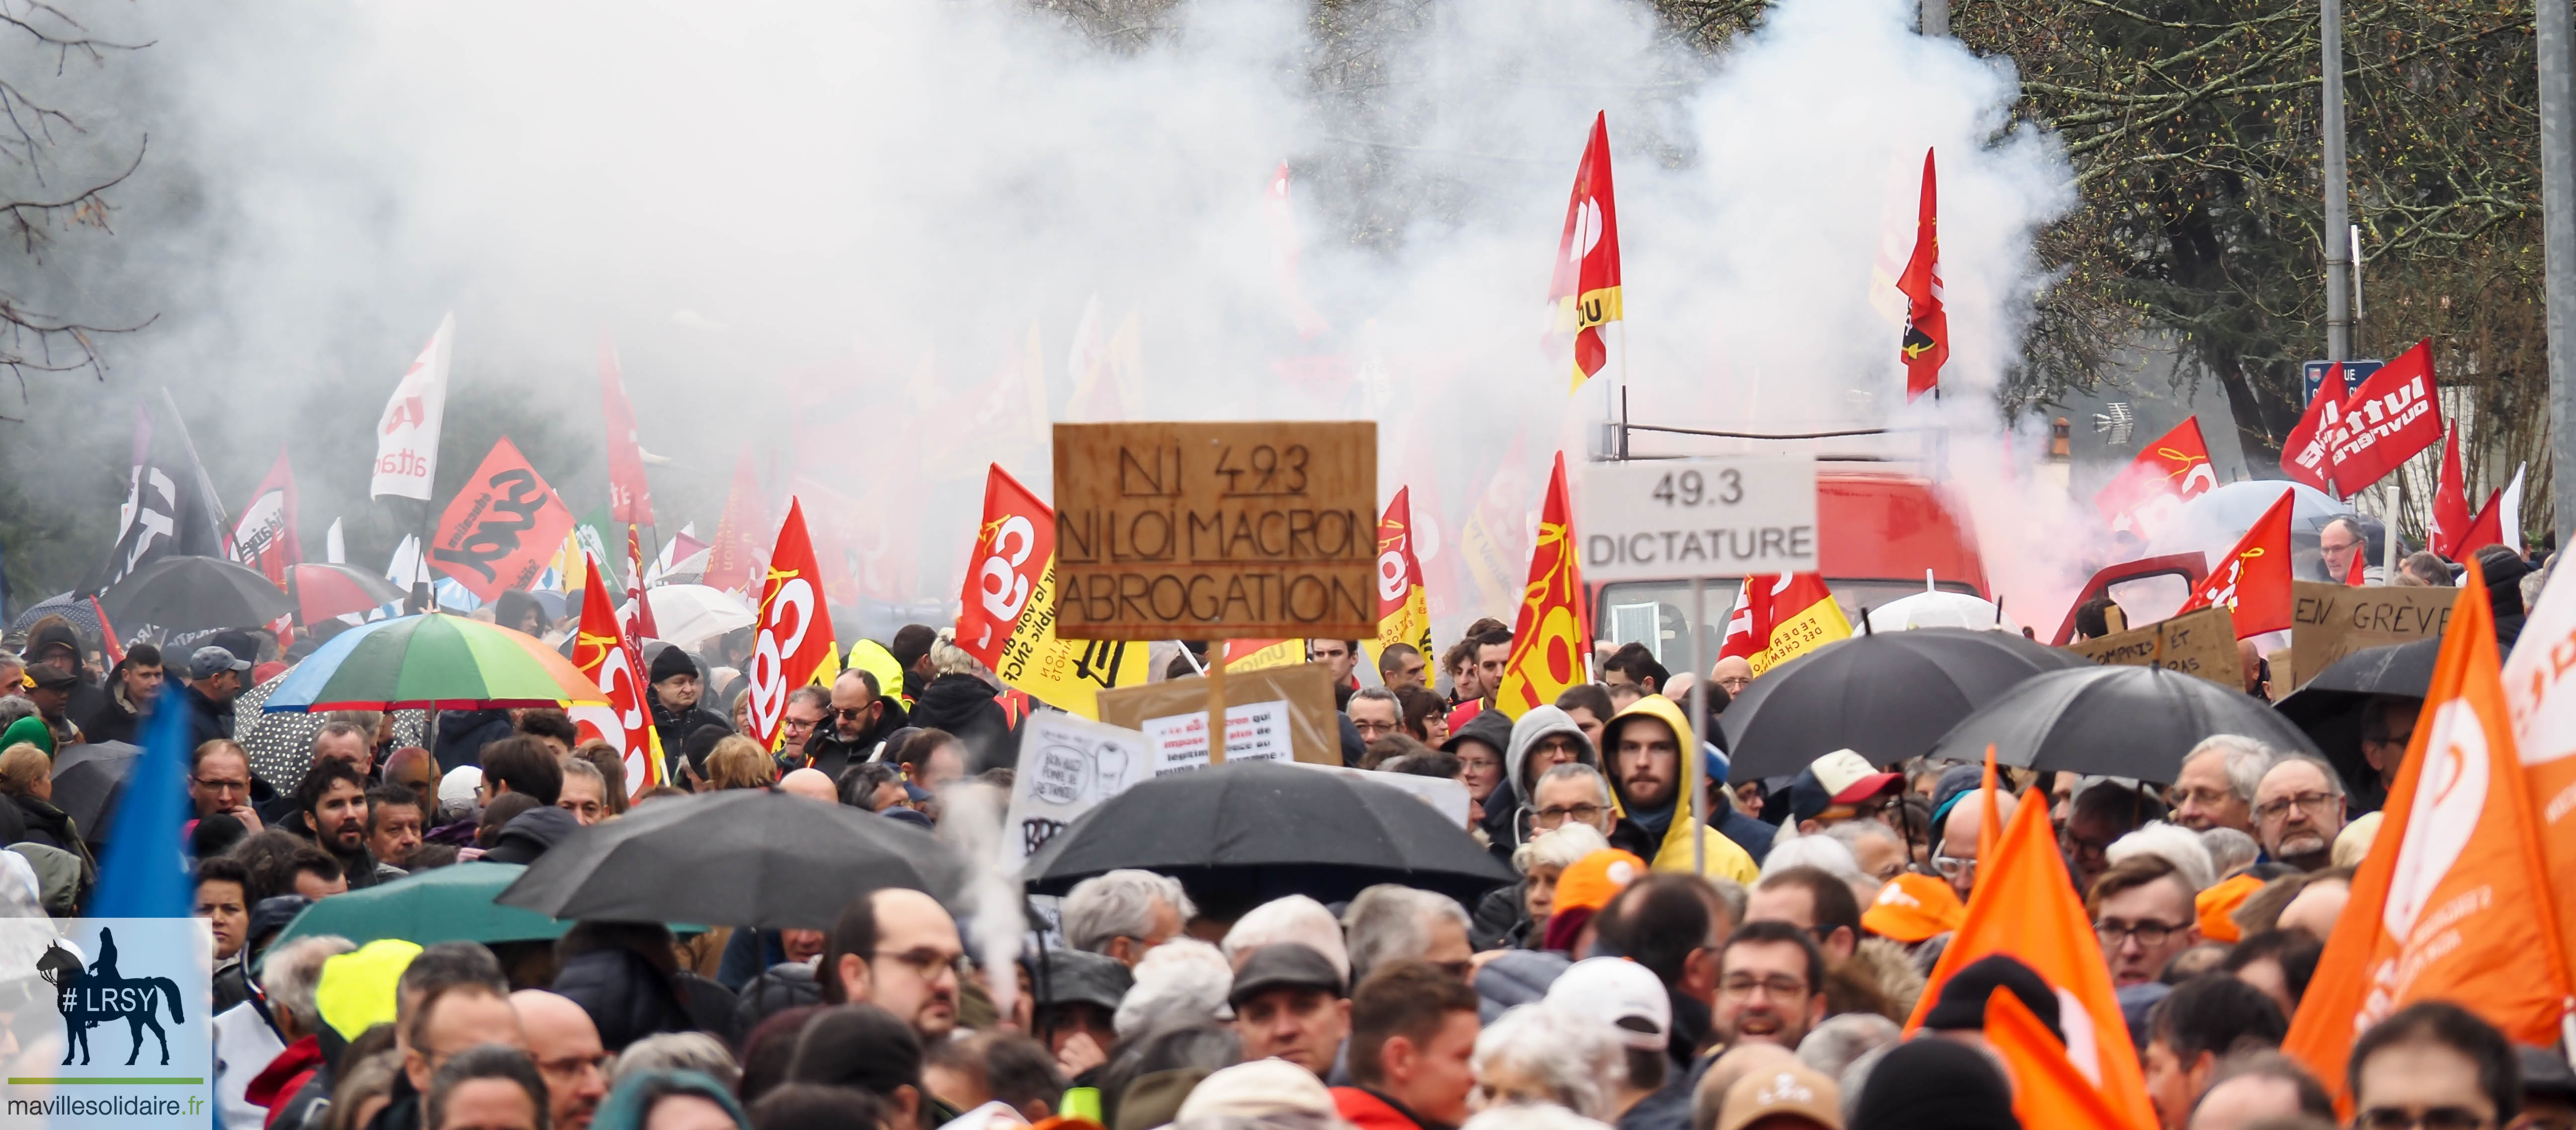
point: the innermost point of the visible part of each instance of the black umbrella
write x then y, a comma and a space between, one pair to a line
83, 618
87, 781
2122, 721
741, 857
193, 594
1260, 830
2330, 708
1888, 696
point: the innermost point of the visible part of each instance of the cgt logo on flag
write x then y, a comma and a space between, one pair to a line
133, 996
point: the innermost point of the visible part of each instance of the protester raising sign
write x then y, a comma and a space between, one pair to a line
605, 653
794, 645
1006, 615
502, 528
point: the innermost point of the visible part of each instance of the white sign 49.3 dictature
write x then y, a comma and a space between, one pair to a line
1719, 517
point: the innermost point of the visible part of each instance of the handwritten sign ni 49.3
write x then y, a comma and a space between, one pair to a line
1206, 530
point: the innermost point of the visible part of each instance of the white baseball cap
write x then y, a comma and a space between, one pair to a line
1620, 993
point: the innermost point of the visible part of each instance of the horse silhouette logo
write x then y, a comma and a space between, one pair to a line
99, 995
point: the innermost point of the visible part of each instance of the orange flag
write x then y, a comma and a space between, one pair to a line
1550, 638
2453, 903
2253, 580
795, 645
2167, 473
2048, 1089
2024, 906
604, 652
1584, 290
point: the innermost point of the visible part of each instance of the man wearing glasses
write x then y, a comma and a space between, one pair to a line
2298, 810
897, 949
861, 717
1770, 986
219, 781
2433, 1066
2142, 912
565, 1045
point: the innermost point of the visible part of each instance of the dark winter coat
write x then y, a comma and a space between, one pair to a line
206, 721
963, 705
106, 716
624, 994
462, 734
675, 726
529, 834
53, 828
828, 752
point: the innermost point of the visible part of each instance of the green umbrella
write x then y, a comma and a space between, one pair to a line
443, 904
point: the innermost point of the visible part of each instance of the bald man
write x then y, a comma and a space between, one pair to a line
565, 1044
1957, 859
414, 768
1733, 673
811, 784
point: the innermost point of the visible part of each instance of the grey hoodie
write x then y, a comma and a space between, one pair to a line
1539, 722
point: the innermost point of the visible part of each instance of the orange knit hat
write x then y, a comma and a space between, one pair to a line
2217, 907
1913, 907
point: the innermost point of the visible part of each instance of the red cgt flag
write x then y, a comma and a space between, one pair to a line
639, 612
628, 499
2450, 517
2253, 580
794, 645
2167, 473
2454, 901
2392, 416
604, 652
2306, 456
1550, 637
1585, 288
502, 529
1403, 605
1927, 321
1013, 547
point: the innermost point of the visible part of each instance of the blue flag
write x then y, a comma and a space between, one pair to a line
145, 872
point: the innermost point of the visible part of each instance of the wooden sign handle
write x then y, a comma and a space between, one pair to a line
1216, 702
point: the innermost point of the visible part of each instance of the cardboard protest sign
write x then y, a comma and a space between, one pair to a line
1216, 531
1067, 767
2329, 621
1272, 714
2199, 643
503, 529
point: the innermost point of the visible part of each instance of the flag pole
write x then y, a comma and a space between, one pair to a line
1699, 809
1216, 701
1623, 388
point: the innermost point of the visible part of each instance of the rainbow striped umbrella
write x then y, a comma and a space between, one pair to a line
432, 661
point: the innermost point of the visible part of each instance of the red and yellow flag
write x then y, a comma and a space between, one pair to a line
2167, 473
2454, 901
1585, 288
639, 613
1551, 638
2253, 580
794, 645
1927, 323
1006, 614
1403, 605
604, 652
1255, 655
1781, 616
2023, 906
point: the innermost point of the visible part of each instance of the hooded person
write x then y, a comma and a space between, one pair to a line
54, 640
1643, 747
1504, 827
462, 734
962, 703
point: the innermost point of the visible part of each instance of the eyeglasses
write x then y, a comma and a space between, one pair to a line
219, 785
2318, 805
846, 713
794, 724
2203, 798
1783, 987
927, 964
1551, 817
1372, 727
2148, 932
2432, 1118
1953, 867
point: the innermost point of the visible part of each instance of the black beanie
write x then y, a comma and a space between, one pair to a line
1930, 1083
672, 660
1962, 1004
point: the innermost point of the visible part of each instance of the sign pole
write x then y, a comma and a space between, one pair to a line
1691, 759
1216, 702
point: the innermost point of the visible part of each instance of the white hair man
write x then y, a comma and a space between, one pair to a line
1125, 913
2215, 786
1391, 921
1295, 918
244, 1043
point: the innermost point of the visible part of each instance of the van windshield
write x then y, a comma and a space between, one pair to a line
1653, 612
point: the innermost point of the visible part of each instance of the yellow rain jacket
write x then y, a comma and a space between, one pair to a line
1725, 859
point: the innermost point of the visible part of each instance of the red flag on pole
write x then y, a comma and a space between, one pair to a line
2450, 516
1927, 323
265, 538
2486, 529
639, 615
607, 654
502, 529
2387, 420
734, 560
1403, 604
2307, 455
1585, 287
2253, 580
1013, 547
795, 645
2167, 473
628, 498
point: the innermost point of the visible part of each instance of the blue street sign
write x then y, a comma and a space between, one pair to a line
2313, 373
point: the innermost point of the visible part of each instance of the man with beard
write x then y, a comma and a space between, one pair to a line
131, 688
1642, 746
860, 717
1770, 985
331, 806
2298, 809
676, 713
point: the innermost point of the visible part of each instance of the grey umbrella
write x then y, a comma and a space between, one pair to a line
2121, 721
87, 781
